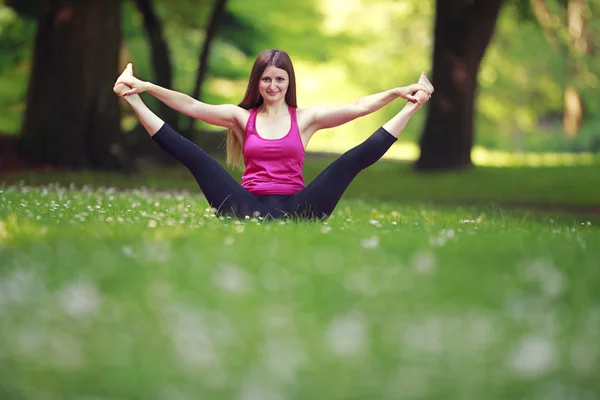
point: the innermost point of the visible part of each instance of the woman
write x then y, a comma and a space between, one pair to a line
270, 133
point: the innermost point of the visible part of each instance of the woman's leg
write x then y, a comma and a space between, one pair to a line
222, 191
320, 197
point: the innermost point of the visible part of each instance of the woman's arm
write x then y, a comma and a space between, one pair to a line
396, 125
329, 117
226, 115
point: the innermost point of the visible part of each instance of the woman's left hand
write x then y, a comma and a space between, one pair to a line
409, 92
135, 85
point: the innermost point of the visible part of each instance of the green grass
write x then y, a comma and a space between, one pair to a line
391, 181
143, 294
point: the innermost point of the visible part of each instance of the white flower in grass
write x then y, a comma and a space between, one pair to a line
533, 356
283, 357
152, 223
325, 229
437, 241
157, 251
375, 223
21, 287
550, 279
127, 251
423, 262
232, 279
360, 282
79, 299
191, 337
255, 392
442, 238
370, 243
346, 334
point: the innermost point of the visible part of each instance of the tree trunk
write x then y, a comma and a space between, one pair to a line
211, 33
573, 111
161, 61
463, 30
574, 49
72, 116
578, 45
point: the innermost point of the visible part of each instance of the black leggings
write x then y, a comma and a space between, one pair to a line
316, 201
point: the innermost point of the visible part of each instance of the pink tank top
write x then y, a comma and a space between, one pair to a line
273, 166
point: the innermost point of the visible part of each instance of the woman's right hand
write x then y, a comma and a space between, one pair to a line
135, 85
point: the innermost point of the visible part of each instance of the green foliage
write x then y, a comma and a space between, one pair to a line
241, 33
522, 81
16, 38
554, 140
524, 11
291, 26
345, 50
25, 8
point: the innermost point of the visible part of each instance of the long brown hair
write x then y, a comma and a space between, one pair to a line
253, 99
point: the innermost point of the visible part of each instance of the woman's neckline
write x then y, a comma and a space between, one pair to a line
275, 139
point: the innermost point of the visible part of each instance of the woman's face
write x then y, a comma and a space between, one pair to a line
273, 84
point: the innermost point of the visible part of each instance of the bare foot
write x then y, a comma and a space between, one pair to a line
421, 95
423, 80
120, 89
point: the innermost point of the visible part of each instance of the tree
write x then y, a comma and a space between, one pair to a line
462, 33
211, 33
72, 117
566, 30
161, 60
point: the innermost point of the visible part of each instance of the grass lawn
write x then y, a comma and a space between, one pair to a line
110, 293
391, 181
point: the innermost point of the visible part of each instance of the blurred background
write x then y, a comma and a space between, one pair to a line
117, 282
515, 79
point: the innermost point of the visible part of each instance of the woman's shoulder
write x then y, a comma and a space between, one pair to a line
305, 113
302, 111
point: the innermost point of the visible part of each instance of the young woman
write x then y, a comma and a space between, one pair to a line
270, 134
